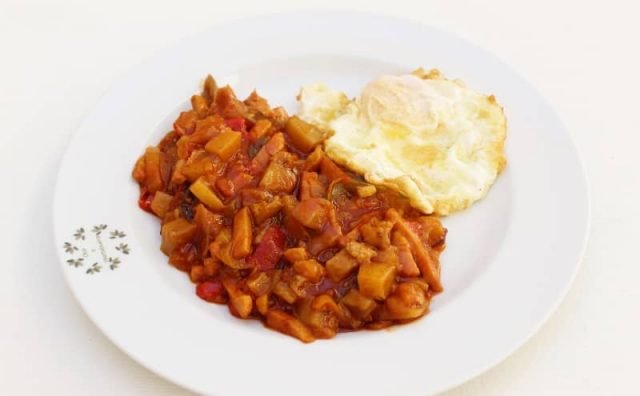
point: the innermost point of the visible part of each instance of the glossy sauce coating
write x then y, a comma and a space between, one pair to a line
262, 220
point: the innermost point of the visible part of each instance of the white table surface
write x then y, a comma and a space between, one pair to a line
58, 58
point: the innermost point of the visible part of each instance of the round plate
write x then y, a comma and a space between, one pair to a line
509, 259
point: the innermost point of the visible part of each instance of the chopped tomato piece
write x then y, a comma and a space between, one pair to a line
144, 202
269, 250
237, 124
211, 291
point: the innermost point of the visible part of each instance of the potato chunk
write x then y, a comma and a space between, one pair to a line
160, 203
341, 265
224, 145
377, 233
152, 169
310, 269
304, 135
278, 178
296, 254
205, 194
242, 233
176, 233
360, 251
264, 210
375, 279
358, 304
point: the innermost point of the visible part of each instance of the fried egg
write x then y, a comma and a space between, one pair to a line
432, 139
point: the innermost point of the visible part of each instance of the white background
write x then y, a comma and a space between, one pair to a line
58, 58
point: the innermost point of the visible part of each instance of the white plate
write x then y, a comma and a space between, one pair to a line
508, 263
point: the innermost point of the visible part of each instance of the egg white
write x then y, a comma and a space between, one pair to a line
430, 138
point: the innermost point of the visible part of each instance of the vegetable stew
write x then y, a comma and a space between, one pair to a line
263, 221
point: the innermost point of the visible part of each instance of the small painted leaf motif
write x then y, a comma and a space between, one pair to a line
76, 262
117, 234
79, 234
124, 248
95, 267
99, 228
69, 248
95, 250
115, 262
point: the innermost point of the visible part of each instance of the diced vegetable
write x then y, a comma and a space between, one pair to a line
138, 170
227, 105
177, 177
211, 291
303, 135
160, 203
296, 254
210, 223
299, 285
206, 195
269, 250
310, 269
375, 279
176, 233
426, 263
312, 163
278, 178
323, 323
152, 169
340, 265
282, 290
408, 301
312, 213
237, 124
434, 229
184, 257
330, 236
242, 233
197, 273
199, 105
360, 251
260, 128
206, 129
221, 249
408, 266
262, 304
259, 283
331, 170
185, 147
366, 191
199, 164
377, 233
211, 267
311, 186
186, 123
265, 210
285, 323
358, 304
242, 305
210, 87
261, 160
257, 103
224, 145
